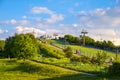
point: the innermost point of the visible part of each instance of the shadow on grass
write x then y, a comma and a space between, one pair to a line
26, 67
74, 77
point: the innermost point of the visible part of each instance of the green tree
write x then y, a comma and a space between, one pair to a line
8, 45
88, 41
2, 44
72, 39
22, 46
110, 45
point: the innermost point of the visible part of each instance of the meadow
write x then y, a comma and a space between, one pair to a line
87, 51
51, 64
19, 70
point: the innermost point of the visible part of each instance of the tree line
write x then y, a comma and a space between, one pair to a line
89, 42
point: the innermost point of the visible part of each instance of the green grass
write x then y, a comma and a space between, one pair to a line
75, 77
57, 43
29, 70
51, 51
90, 51
84, 50
66, 63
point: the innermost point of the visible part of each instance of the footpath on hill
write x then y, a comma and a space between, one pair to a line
89, 74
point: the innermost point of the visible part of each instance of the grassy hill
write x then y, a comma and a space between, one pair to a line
87, 51
51, 64
29, 70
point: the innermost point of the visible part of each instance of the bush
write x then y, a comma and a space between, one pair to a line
85, 59
114, 69
75, 58
94, 60
68, 52
101, 57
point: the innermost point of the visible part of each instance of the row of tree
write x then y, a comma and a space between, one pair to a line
89, 42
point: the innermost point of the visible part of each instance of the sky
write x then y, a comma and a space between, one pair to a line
100, 18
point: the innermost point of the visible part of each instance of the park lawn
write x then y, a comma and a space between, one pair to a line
29, 70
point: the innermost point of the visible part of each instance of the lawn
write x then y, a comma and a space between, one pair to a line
66, 63
29, 70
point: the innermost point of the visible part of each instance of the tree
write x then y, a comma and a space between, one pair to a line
8, 45
110, 45
98, 44
88, 41
22, 46
2, 44
72, 39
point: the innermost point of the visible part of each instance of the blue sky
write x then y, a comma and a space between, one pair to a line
101, 18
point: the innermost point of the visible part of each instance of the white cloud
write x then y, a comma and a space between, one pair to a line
43, 10
75, 25
4, 22
105, 33
101, 17
54, 18
39, 10
13, 21
98, 12
6, 31
1, 31
23, 22
22, 29
51, 31
101, 21
24, 17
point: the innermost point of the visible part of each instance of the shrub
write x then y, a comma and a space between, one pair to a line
85, 59
68, 52
100, 58
94, 60
75, 58
114, 69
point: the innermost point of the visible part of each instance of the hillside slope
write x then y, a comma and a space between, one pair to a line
87, 51
29, 70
